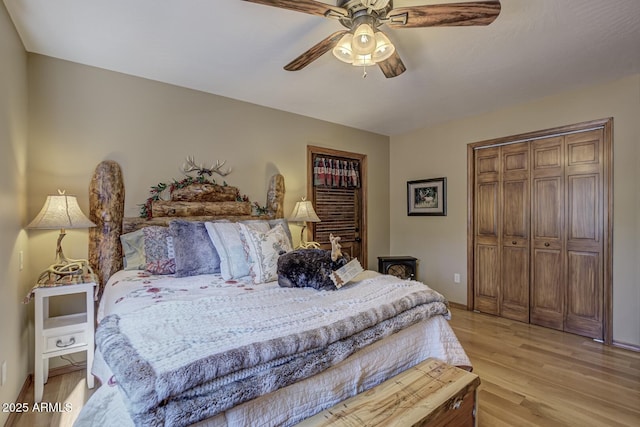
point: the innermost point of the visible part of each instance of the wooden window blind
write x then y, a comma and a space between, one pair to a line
338, 210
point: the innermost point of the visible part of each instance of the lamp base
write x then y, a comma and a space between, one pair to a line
309, 245
306, 245
65, 269
71, 271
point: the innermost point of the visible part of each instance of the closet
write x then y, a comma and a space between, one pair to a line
540, 228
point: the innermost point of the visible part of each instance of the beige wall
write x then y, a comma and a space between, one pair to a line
81, 115
14, 339
440, 242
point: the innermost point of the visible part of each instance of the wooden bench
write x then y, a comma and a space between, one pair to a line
431, 393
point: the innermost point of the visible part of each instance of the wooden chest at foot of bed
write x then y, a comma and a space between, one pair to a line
431, 393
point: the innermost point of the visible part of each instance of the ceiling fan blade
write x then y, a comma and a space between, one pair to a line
392, 66
306, 6
445, 15
315, 52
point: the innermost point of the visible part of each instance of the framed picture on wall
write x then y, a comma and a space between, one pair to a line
427, 197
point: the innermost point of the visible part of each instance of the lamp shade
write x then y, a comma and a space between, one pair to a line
60, 212
364, 41
384, 47
303, 212
342, 50
362, 61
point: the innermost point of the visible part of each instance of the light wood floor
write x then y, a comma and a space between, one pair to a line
68, 390
531, 376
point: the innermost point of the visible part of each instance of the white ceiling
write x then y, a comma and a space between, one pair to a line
237, 49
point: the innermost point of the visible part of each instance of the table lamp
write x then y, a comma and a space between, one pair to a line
302, 213
62, 212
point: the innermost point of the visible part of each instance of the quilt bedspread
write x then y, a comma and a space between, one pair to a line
181, 358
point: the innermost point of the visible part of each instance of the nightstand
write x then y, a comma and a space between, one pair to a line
60, 335
404, 267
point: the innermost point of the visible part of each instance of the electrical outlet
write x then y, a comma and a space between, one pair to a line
456, 278
21, 260
3, 375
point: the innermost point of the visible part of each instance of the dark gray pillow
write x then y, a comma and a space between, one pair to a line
194, 251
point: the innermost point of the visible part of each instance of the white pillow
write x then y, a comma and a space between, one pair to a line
227, 239
264, 250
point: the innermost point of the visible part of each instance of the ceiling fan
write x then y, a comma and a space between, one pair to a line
363, 44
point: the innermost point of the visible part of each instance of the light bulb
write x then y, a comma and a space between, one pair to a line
384, 47
364, 41
342, 50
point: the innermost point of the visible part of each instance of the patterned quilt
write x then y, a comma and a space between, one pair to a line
184, 358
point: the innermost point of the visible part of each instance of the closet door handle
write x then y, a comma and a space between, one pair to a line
547, 244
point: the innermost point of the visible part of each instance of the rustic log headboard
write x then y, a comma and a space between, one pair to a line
106, 210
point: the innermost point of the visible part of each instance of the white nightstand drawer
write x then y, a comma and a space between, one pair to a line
63, 334
68, 340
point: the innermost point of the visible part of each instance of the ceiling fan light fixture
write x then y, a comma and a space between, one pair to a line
362, 19
364, 41
384, 47
342, 50
363, 61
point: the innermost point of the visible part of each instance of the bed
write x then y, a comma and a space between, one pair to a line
232, 347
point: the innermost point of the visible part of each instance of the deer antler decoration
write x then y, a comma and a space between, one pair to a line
191, 166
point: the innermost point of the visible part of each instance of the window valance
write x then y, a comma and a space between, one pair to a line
336, 173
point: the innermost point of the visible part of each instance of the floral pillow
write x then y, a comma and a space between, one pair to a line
263, 249
158, 249
285, 225
260, 224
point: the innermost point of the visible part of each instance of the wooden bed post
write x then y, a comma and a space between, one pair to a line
106, 210
275, 196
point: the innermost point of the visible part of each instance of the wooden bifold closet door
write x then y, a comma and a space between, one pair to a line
539, 229
568, 233
502, 231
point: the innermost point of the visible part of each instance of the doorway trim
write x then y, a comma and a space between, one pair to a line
362, 158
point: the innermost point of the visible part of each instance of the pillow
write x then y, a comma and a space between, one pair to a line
257, 224
158, 249
133, 250
264, 250
226, 239
194, 251
266, 225
285, 226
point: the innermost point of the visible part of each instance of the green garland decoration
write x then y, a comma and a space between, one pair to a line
260, 210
